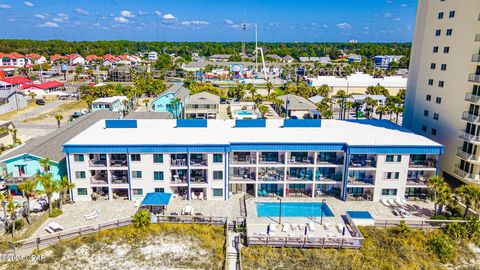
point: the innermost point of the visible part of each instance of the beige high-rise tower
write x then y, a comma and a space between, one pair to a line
443, 92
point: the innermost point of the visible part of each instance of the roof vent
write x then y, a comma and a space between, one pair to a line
253, 123
121, 123
192, 123
311, 123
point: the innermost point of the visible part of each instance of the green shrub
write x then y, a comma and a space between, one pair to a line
454, 210
442, 246
141, 219
55, 213
19, 224
456, 231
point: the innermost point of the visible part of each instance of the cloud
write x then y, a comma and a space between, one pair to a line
121, 20
194, 23
49, 25
127, 14
387, 15
169, 17
403, 5
42, 16
61, 14
344, 25
397, 19
80, 11
5, 6
325, 26
158, 13
142, 13
28, 4
228, 22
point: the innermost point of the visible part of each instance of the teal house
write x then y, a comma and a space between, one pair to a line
24, 162
173, 101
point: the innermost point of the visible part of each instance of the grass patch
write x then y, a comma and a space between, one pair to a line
159, 246
55, 213
390, 248
61, 109
9, 115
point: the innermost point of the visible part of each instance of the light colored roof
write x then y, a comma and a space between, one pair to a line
148, 115
375, 97
109, 100
316, 99
297, 102
204, 98
51, 144
359, 80
224, 132
178, 90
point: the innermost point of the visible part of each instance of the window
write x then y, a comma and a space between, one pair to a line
440, 15
438, 100
217, 158
424, 128
158, 176
425, 113
217, 192
157, 189
136, 174
438, 32
430, 81
433, 66
449, 32
137, 191
434, 132
435, 49
217, 175
443, 67
393, 158
451, 14
157, 158
436, 116
80, 174
391, 175
446, 49
82, 191
135, 157
441, 83
428, 98
389, 192
78, 157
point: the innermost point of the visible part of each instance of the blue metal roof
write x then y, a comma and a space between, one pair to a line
121, 123
157, 199
250, 123
192, 123
302, 123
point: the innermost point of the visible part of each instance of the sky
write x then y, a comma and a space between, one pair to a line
208, 20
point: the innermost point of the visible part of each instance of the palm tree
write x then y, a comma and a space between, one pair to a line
348, 107
342, 95
28, 188
444, 197
45, 163
12, 210
59, 118
13, 132
251, 90
4, 199
397, 110
263, 109
470, 195
64, 187
371, 104
380, 111
50, 186
269, 89
435, 184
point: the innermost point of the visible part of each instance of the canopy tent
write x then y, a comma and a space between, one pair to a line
156, 202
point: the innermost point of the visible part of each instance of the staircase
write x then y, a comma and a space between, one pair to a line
232, 251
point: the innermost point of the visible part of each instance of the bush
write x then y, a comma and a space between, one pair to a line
19, 224
442, 246
55, 213
457, 231
141, 219
454, 210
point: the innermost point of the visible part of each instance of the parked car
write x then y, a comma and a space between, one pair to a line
223, 101
40, 102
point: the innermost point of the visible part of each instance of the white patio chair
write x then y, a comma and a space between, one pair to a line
311, 226
385, 202
286, 227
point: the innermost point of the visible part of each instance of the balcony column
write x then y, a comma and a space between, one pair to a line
109, 183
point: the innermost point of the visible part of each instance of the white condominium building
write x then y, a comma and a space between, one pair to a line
213, 159
443, 93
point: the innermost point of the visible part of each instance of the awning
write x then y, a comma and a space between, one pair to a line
156, 199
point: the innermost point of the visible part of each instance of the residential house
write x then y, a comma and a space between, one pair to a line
202, 105
42, 89
23, 162
152, 56
114, 104
10, 97
216, 159
297, 106
76, 59
359, 100
219, 57
384, 61
273, 57
354, 58
36, 59
288, 59
173, 100
58, 58
13, 59
244, 110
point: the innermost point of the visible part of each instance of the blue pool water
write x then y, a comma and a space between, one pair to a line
293, 209
245, 113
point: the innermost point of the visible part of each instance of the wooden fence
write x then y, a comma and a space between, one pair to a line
416, 223
306, 242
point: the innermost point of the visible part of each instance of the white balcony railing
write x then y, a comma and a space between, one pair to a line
467, 156
468, 137
474, 78
472, 98
476, 57
470, 117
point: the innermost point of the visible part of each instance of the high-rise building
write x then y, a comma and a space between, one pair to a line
443, 92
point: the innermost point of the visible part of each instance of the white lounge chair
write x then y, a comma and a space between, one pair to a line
286, 227
194, 197
403, 201
399, 202
200, 196
294, 227
311, 226
385, 202
95, 214
49, 230
391, 201
340, 227
327, 226
272, 226
187, 210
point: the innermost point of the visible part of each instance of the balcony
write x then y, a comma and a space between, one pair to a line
198, 160
476, 58
466, 175
361, 181
362, 162
423, 163
468, 137
118, 160
18, 179
99, 180
467, 156
243, 158
299, 174
198, 176
242, 174
472, 98
477, 38
178, 160
300, 158
272, 158
419, 180
120, 177
472, 118
474, 78
179, 177
271, 174
337, 177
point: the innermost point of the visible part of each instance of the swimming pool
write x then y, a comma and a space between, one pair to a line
293, 209
243, 112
